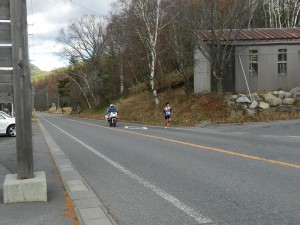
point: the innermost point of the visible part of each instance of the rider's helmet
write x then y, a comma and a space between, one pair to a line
111, 105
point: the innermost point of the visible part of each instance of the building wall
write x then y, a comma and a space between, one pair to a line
267, 78
202, 73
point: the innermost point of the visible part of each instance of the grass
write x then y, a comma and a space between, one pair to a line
200, 109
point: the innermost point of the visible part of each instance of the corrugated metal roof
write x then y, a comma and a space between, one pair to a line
263, 34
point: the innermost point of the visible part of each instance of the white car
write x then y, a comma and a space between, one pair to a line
7, 124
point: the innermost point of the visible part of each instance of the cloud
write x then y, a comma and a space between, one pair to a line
46, 18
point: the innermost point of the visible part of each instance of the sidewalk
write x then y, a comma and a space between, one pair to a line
60, 182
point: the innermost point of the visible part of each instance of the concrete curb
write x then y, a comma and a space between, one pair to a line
88, 208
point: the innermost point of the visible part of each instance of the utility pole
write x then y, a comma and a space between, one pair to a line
26, 185
22, 88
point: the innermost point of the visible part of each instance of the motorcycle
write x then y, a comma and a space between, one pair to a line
112, 119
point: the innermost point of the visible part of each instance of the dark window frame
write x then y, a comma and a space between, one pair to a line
282, 62
253, 62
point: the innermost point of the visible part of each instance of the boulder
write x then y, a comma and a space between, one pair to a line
254, 96
264, 105
267, 96
289, 101
294, 91
240, 95
272, 100
52, 109
275, 102
243, 99
253, 105
284, 95
233, 98
67, 110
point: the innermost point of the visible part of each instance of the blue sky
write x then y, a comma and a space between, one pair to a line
47, 17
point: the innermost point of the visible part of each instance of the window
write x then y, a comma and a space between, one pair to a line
282, 62
253, 62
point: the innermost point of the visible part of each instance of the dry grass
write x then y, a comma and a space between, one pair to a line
199, 109
196, 110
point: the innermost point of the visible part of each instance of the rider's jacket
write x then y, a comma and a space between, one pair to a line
112, 110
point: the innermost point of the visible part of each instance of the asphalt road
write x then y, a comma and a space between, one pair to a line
146, 175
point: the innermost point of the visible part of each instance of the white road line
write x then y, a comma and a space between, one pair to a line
174, 201
283, 138
136, 128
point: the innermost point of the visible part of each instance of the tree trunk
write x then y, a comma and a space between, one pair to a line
85, 97
219, 79
152, 75
121, 76
153, 90
220, 86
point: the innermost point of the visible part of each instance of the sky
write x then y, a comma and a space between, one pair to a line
46, 18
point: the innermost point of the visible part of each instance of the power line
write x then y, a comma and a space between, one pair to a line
90, 10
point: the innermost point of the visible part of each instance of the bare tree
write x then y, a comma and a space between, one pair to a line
83, 45
281, 13
179, 37
117, 40
253, 4
148, 19
216, 25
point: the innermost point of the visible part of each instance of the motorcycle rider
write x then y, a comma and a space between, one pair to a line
111, 109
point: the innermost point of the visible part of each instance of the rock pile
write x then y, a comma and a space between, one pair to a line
276, 101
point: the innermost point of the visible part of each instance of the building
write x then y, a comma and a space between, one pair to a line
265, 59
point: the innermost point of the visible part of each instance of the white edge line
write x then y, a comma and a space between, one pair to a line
174, 201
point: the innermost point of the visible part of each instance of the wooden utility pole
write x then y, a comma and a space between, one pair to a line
6, 76
22, 88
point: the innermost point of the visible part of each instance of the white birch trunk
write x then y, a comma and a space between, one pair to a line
270, 14
279, 15
151, 41
88, 85
81, 90
121, 76
253, 6
152, 76
296, 14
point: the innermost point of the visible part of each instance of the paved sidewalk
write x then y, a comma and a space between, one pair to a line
36, 213
63, 183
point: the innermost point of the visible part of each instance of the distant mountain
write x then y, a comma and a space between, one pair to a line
34, 68
37, 73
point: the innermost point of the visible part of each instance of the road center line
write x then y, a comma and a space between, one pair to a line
270, 161
174, 201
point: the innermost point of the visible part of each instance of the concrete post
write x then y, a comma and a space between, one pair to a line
202, 73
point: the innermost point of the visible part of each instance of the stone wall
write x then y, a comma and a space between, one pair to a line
271, 102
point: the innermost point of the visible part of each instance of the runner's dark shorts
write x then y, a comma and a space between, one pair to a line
167, 117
